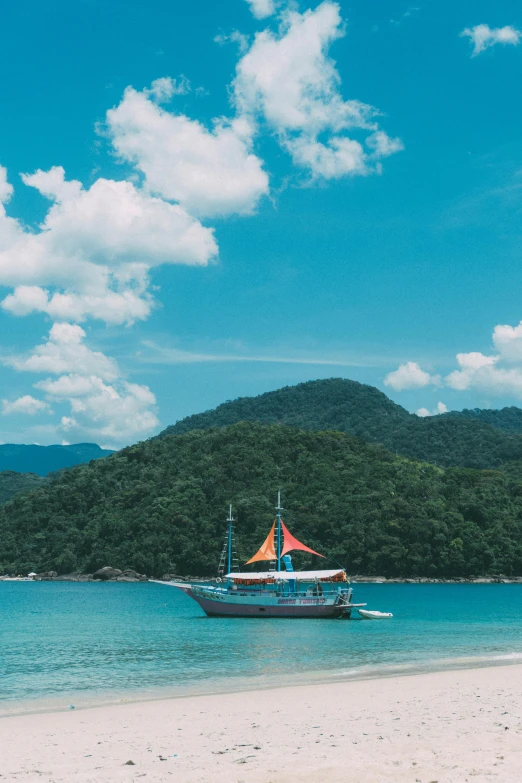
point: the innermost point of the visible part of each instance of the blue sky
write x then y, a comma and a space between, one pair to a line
201, 203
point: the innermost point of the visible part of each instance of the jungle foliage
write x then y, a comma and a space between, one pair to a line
160, 506
12, 483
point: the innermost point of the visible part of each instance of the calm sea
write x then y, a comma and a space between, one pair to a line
65, 644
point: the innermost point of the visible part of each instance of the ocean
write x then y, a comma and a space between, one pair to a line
65, 645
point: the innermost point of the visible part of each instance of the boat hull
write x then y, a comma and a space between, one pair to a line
224, 609
221, 603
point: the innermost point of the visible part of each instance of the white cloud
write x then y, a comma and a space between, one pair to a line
508, 341
102, 403
95, 248
6, 190
68, 422
441, 408
63, 352
209, 172
484, 373
113, 223
120, 411
410, 376
474, 366
499, 373
262, 8
109, 306
482, 36
27, 404
165, 88
9, 228
289, 80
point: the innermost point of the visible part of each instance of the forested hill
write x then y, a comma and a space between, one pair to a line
508, 419
160, 506
31, 458
344, 405
12, 483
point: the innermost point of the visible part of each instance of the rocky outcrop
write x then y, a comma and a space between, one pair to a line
129, 575
173, 578
106, 573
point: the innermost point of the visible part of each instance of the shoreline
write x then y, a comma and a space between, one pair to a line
62, 703
359, 580
444, 726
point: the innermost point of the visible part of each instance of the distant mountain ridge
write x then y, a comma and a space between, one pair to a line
42, 460
470, 438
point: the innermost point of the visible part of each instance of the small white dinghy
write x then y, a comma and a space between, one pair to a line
366, 614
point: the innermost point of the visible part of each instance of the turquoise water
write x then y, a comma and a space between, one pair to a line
83, 643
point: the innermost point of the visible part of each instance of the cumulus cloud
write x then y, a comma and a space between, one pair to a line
65, 351
472, 365
68, 422
441, 408
508, 342
118, 411
209, 172
288, 80
482, 36
165, 88
410, 376
261, 9
109, 306
498, 373
95, 248
27, 405
481, 372
6, 190
102, 403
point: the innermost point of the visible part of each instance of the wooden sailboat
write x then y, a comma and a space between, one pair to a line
277, 592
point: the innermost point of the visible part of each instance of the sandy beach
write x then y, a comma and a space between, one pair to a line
448, 726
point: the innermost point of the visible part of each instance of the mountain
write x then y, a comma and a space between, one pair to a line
160, 506
12, 483
347, 406
46, 459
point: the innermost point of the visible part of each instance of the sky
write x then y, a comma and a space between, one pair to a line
207, 200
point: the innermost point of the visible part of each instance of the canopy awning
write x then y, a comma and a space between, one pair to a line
286, 576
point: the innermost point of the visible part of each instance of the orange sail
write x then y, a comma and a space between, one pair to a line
292, 543
267, 551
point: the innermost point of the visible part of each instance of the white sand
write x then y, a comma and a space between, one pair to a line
449, 726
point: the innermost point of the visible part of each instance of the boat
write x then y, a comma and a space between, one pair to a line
277, 591
368, 614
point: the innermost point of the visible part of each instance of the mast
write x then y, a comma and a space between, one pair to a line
279, 508
230, 520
